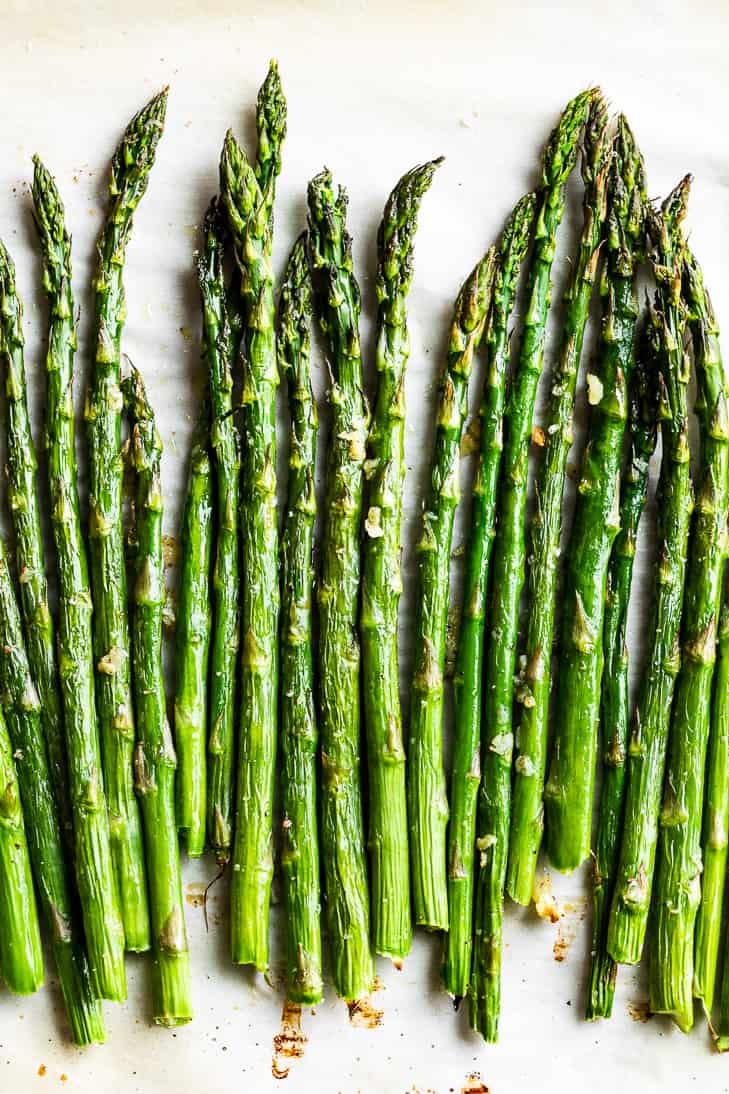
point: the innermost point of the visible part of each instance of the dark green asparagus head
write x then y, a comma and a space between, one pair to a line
135, 153
643, 390
49, 217
515, 237
294, 318
470, 314
627, 204
11, 309
145, 448
271, 125
239, 189
330, 252
396, 234
209, 260
561, 148
712, 373
666, 240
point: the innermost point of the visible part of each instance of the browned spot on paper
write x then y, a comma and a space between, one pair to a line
170, 550
565, 938
64, 1078
397, 962
42, 1070
195, 894
474, 1084
288, 1043
545, 902
538, 436
363, 1014
639, 1010
378, 985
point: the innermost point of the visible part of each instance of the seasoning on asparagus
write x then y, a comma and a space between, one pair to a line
154, 754
718, 804
217, 343
194, 622
130, 169
21, 957
426, 788
704, 574
647, 744
467, 680
679, 881
545, 526
21, 468
21, 708
614, 697
569, 789
342, 827
299, 734
507, 570
250, 217
92, 840
381, 580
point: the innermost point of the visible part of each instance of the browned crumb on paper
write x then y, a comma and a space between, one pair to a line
565, 938
639, 1010
363, 1014
539, 437
545, 902
42, 1070
170, 551
474, 1084
288, 1043
195, 894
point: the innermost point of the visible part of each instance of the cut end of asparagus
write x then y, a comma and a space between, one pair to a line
172, 998
626, 934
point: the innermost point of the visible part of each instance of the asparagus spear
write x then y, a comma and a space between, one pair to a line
342, 829
92, 854
647, 744
704, 575
381, 581
467, 680
154, 754
130, 169
679, 863
300, 843
570, 785
218, 351
21, 707
614, 697
718, 802
507, 574
545, 526
194, 620
21, 958
21, 467
251, 221
426, 792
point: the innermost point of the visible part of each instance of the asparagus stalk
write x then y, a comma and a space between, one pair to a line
251, 221
701, 619
545, 526
154, 754
92, 854
679, 864
507, 575
130, 169
467, 680
570, 785
381, 580
718, 802
21, 957
299, 735
647, 744
194, 621
21, 707
218, 351
614, 697
426, 791
342, 828
22, 467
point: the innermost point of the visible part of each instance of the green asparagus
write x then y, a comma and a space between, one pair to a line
467, 680
507, 576
720, 733
154, 754
545, 526
218, 351
679, 881
337, 300
614, 697
130, 169
22, 467
92, 852
300, 843
709, 545
570, 786
251, 221
426, 788
381, 580
194, 620
21, 958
